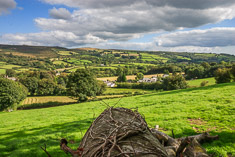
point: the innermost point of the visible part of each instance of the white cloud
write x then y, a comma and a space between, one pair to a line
53, 38
6, 5
126, 45
99, 23
192, 4
60, 13
123, 20
221, 36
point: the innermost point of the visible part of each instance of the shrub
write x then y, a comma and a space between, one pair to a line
83, 84
174, 82
203, 83
223, 75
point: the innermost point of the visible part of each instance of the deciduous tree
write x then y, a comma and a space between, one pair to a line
83, 84
223, 75
174, 82
11, 93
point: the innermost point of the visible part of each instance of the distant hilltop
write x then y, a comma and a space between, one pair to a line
154, 57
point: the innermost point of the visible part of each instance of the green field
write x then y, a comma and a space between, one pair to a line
74, 69
197, 82
85, 61
4, 66
185, 58
140, 64
66, 53
187, 112
9, 66
2, 71
2, 63
126, 91
59, 62
77, 61
152, 57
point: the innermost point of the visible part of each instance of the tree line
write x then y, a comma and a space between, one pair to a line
175, 81
80, 84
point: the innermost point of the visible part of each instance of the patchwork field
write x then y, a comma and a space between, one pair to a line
128, 77
185, 58
77, 61
151, 57
126, 91
187, 112
45, 99
140, 64
9, 66
59, 62
4, 66
66, 53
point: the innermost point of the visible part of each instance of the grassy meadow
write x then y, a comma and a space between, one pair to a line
187, 112
9, 66
2, 71
151, 57
114, 91
66, 53
197, 82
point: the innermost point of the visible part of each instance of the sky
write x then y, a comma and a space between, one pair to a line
151, 25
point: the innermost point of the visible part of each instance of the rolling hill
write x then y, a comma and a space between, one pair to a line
30, 51
145, 56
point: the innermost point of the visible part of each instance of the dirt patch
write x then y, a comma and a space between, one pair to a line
198, 121
21, 54
211, 129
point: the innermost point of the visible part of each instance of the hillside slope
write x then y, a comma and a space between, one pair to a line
30, 51
187, 112
144, 56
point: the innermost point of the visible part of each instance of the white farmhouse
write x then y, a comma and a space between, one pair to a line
165, 75
11, 78
148, 80
109, 84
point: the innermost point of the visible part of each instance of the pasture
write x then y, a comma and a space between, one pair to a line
77, 61
197, 82
187, 112
2, 71
2, 63
66, 53
153, 57
114, 91
182, 57
9, 66
129, 64
60, 62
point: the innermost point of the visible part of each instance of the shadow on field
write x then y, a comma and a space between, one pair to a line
226, 138
15, 143
191, 89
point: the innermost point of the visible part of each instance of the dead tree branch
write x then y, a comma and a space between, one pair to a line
45, 150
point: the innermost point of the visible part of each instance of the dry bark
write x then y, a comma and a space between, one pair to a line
123, 132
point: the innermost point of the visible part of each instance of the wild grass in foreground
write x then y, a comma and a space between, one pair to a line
187, 112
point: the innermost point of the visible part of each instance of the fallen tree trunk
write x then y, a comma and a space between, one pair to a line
123, 132
120, 132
